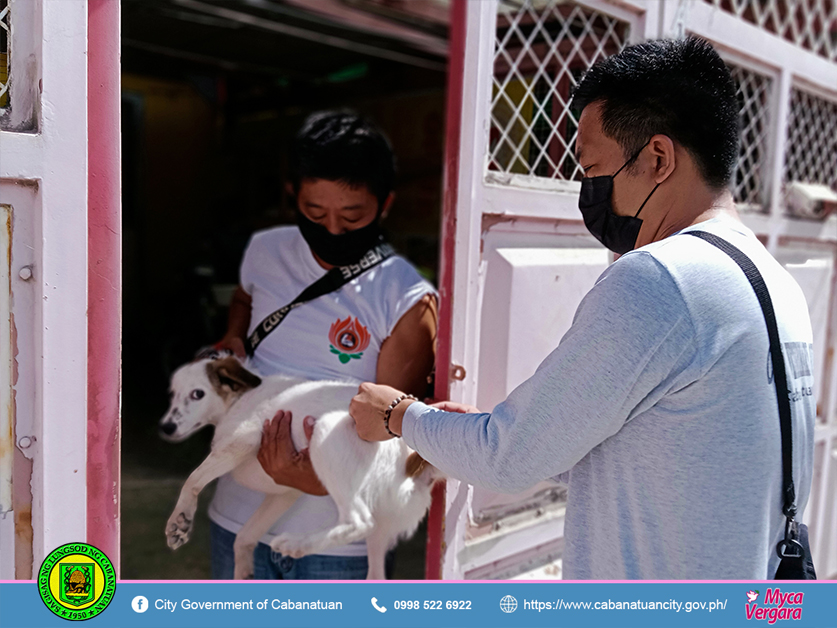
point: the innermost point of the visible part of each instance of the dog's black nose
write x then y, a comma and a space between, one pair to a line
168, 428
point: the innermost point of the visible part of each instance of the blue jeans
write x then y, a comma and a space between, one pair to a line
268, 565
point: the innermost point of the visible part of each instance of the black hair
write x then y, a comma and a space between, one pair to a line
342, 146
679, 88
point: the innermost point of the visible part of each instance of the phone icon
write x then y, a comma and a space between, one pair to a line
380, 609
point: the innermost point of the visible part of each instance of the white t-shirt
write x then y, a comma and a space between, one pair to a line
337, 336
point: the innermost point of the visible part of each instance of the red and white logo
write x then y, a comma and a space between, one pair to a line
348, 339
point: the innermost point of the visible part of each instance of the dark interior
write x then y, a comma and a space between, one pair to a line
211, 94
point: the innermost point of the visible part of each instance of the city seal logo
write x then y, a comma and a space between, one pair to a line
76, 581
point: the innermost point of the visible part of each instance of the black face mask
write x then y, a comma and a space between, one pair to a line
618, 233
339, 250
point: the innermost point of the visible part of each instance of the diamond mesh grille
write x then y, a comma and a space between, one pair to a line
811, 154
542, 48
754, 91
810, 24
5, 39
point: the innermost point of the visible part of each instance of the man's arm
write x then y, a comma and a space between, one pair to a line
238, 322
406, 357
631, 332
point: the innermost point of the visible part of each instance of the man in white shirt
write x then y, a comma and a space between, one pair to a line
380, 326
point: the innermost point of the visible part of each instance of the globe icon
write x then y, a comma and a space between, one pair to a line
508, 604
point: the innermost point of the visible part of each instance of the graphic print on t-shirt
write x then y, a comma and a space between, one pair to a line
348, 339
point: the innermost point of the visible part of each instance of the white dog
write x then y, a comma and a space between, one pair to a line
382, 490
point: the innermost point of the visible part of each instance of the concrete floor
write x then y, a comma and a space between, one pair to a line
149, 493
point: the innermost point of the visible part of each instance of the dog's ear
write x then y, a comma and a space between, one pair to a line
415, 465
228, 374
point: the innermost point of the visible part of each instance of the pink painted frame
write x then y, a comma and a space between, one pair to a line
104, 280
453, 113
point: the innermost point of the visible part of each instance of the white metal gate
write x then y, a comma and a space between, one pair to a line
518, 236
43, 193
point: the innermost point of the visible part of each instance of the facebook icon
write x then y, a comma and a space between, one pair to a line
140, 604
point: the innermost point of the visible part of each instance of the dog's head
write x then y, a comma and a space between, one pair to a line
201, 393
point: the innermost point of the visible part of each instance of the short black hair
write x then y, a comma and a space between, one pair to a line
679, 88
342, 146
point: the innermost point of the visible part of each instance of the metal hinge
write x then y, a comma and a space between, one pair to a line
457, 372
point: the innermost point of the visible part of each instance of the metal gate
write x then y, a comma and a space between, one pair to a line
59, 322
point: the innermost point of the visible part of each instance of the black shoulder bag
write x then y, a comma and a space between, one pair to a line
333, 280
794, 550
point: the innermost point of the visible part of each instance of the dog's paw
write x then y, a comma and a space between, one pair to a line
289, 545
178, 529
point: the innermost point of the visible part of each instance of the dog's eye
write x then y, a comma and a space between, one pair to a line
196, 394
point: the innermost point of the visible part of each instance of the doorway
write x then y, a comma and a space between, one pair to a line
211, 97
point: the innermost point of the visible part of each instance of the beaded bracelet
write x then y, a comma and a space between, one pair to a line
388, 411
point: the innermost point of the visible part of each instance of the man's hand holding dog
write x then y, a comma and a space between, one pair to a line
232, 343
280, 459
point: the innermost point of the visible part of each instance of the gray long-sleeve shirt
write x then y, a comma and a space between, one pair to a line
659, 410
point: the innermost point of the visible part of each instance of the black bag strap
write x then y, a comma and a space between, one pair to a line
780, 379
333, 280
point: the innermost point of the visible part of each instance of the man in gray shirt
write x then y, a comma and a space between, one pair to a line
658, 406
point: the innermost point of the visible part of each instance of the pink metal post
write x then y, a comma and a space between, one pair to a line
456, 68
104, 277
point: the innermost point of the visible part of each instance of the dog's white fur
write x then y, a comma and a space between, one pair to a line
375, 497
